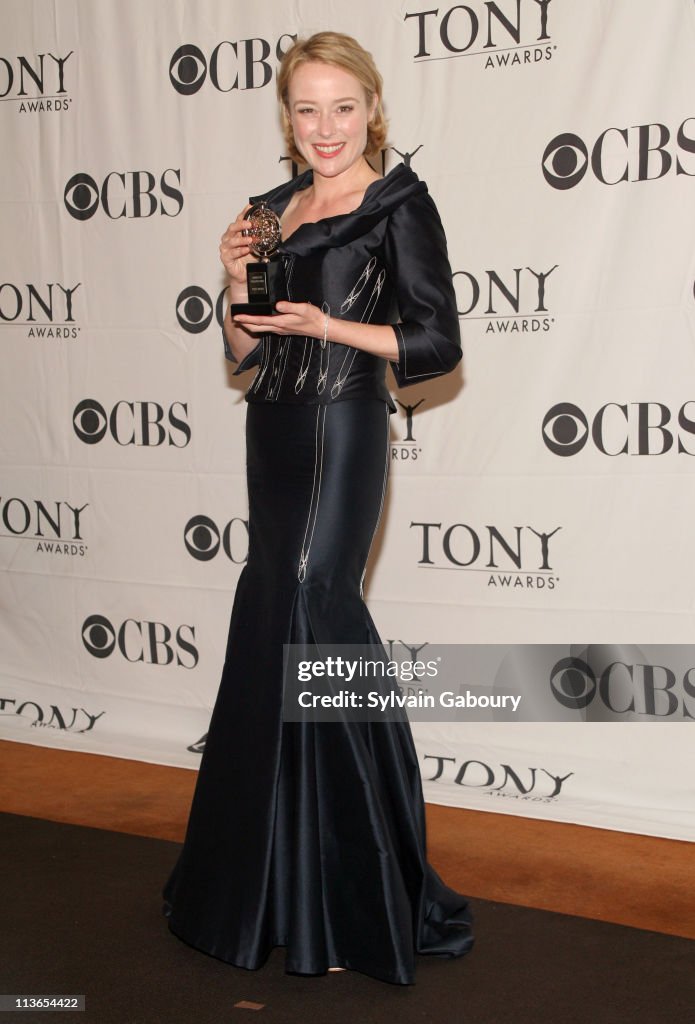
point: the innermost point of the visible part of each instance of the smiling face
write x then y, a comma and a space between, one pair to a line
329, 112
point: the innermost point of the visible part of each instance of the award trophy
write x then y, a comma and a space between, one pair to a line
265, 280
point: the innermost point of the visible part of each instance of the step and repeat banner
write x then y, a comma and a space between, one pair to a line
543, 494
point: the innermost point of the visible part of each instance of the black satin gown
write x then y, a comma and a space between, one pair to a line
309, 835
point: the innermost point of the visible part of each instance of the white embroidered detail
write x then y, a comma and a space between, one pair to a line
286, 355
289, 271
323, 376
279, 369
349, 358
315, 494
303, 366
354, 295
265, 360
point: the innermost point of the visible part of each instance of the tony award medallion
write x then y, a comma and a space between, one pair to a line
265, 280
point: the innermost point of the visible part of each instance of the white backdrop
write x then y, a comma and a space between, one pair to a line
544, 494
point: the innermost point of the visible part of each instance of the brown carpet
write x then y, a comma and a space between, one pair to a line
82, 916
628, 879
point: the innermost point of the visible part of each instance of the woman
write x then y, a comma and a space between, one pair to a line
312, 836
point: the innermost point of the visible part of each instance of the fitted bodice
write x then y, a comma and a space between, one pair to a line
384, 263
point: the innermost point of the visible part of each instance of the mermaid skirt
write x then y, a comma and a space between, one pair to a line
309, 835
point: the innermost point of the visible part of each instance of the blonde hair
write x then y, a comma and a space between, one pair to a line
344, 52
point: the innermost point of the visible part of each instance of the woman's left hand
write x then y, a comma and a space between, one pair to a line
291, 318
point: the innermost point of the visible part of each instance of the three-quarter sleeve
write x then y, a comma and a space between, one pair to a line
428, 334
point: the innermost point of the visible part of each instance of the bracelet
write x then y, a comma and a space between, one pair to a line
326, 310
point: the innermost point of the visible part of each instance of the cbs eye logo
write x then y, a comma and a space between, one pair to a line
98, 636
81, 196
90, 421
195, 309
565, 161
573, 683
187, 69
565, 429
203, 539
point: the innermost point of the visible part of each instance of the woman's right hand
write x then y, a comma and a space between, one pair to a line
234, 249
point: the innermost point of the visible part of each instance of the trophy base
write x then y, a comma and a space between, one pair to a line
266, 285
259, 308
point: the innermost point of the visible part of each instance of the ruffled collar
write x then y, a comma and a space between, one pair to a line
381, 198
